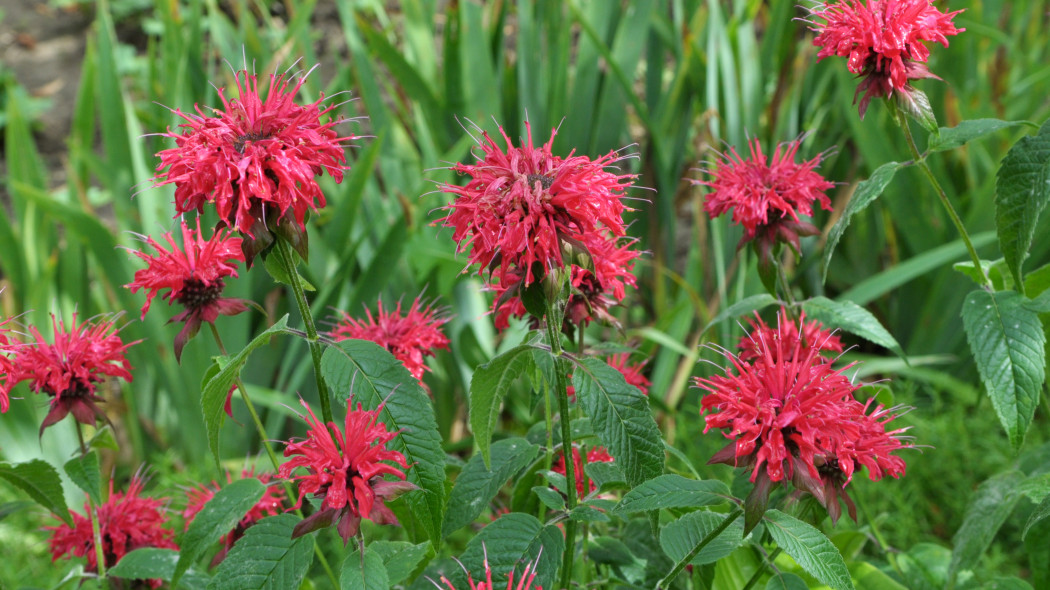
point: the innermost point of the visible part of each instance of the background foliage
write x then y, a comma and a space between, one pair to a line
674, 79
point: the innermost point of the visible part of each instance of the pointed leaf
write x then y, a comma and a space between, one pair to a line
218, 516
966, 131
1040, 513
266, 557
40, 480
814, 552
370, 374
679, 538
621, 419
786, 582
477, 485
673, 491
914, 103
218, 383
83, 471
152, 563
401, 558
1008, 346
852, 318
511, 542
488, 387
865, 194
1022, 190
993, 501
364, 574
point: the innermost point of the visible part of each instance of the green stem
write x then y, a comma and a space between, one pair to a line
877, 533
96, 530
562, 393
273, 456
902, 120
678, 567
761, 569
288, 261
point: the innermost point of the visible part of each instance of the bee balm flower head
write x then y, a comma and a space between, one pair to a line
255, 160
346, 473
193, 275
883, 40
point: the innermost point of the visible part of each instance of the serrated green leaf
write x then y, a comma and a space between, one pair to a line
673, 491
477, 485
370, 374
993, 501
852, 318
266, 557
1008, 345
218, 383
679, 538
40, 480
621, 419
914, 103
745, 306
218, 517
400, 557
83, 471
966, 131
814, 552
865, 194
488, 387
605, 475
152, 563
550, 498
511, 542
588, 513
1022, 190
786, 582
1040, 513
364, 574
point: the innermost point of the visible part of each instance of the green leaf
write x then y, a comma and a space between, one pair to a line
400, 557
605, 475
488, 387
477, 485
673, 491
369, 374
218, 516
1022, 189
587, 513
215, 387
279, 273
364, 574
83, 471
1008, 345
511, 542
814, 552
868, 577
1041, 512
966, 131
609, 550
745, 306
550, 498
852, 318
146, 563
679, 538
865, 194
914, 103
9, 508
993, 501
40, 480
266, 557
786, 582
621, 419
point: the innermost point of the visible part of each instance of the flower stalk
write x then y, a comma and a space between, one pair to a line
562, 393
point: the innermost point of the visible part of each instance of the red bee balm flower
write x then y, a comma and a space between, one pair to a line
787, 332
6, 367
346, 473
524, 582
525, 209
69, 369
256, 159
791, 415
883, 40
194, 276
595, 455
632, 372
269, 505
409, 336
767, 196
127, 521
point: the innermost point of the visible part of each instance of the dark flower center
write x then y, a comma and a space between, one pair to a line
545, 181
238, 144
195, 294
